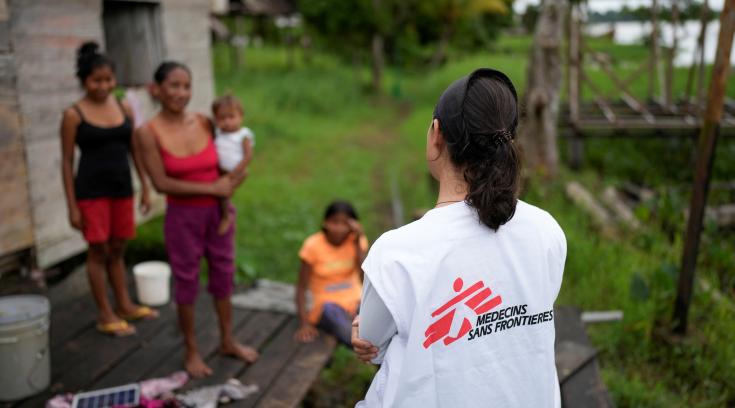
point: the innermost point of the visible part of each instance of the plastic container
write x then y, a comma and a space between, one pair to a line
25, 363
152, 282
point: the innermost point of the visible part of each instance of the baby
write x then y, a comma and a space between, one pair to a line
234, 146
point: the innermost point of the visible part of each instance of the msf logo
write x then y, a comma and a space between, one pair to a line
475, 298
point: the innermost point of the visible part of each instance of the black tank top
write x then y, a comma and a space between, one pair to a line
104, 170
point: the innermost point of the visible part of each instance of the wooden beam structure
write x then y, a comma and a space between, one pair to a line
705, 157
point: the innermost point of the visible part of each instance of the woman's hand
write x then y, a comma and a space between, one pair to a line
306, 333
223, 187
356, 229
75, 218
364, 349
145, 201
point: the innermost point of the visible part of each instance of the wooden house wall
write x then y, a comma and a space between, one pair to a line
16, 229
45, 36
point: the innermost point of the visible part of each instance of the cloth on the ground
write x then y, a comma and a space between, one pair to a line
334, 274
170, 402
337, 322
154, 393
60, 401
156, 387
268, 295
211, 396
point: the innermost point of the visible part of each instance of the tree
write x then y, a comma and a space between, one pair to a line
538, 132
449, 13
356, 28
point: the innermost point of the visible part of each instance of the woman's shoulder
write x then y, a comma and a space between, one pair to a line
71, 113
542, 220
204, 120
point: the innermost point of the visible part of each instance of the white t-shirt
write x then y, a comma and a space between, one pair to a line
229, 147
472, 310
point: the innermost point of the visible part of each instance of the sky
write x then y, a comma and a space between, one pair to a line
604, 5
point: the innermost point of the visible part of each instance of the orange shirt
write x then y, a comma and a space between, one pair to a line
334, 274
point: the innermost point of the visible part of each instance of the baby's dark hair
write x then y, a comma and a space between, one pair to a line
166, 68
227, 101
479, 139
340, 207
89, 59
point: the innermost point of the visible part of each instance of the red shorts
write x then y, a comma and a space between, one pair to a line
106, 218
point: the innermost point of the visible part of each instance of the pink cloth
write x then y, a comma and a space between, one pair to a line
156, 387
60, 401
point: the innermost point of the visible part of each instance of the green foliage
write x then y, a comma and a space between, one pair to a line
320, 136
411, 29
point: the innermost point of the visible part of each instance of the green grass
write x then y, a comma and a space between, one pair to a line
322, 135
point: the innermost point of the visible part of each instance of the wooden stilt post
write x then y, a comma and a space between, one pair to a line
668, 94
574, 73
699, 49
239, 47
700, 76
705, 156
653, 69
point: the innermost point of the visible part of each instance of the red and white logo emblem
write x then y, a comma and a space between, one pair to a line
475, 298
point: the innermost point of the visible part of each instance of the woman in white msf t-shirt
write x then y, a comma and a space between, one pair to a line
457, 307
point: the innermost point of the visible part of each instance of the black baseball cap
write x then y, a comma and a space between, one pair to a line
450, 108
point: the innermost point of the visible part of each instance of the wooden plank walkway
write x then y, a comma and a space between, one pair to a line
83, 359
576, 363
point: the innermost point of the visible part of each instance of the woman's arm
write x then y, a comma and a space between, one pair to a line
306, 332
145, 201
153, 164
376, 325
69, 124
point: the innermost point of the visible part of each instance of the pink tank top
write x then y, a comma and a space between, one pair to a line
198, 167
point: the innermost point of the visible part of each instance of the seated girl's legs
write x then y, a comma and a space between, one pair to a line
337, 321
220, 253
184, 234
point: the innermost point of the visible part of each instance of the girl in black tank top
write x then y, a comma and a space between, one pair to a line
100, 195
103, 169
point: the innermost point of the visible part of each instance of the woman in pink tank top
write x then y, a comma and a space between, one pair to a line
179, 154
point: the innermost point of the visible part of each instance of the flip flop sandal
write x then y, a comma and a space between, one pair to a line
141, 313
116, 329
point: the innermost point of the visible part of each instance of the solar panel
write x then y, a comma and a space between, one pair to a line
123, 396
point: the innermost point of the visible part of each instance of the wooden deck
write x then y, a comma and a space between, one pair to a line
576, 363
82, 359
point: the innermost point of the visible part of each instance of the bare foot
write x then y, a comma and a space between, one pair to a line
196, 367
237, 350
224, 223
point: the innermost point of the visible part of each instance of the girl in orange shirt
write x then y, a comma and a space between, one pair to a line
330, 269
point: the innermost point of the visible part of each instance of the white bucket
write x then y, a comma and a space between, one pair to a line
152, 282
25, 365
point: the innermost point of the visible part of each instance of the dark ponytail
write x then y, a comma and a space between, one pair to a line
479, 129
89, 59
166, 68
